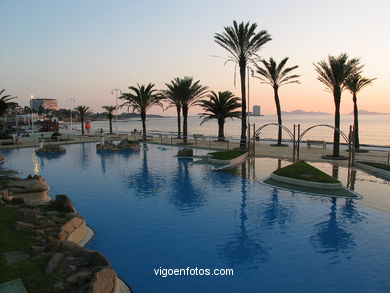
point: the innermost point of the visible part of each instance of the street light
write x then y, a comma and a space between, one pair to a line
71, 101
116, 91
249, 128
32, 113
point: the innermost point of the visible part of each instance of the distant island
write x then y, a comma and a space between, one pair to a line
301, 112
365, 112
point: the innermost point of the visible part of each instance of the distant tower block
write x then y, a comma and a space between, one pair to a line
256, 110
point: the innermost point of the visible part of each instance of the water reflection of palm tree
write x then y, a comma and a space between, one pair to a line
241, 249
331, 236
145, 182
84, 160
185, 194
276, 212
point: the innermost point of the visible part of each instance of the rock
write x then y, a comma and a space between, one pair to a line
53, 263
63, 203
17, 200
185, 152
73, 248
37, 248
95, 258
123, 145
53, 244
79, 278
21, 226
26, 186
2, 203
50, 148
28, 215
39, 232
76, 261
60, 285
104, 281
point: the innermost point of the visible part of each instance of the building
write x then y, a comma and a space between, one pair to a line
39, 105
256, 110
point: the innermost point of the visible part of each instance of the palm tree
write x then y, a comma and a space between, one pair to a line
4, 102
333, 73
277, 75
173, 97
83, 112
354, 84
110, 114
190, 93
141, 99
242, 43
220, 106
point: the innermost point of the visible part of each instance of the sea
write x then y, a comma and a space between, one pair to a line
373, 129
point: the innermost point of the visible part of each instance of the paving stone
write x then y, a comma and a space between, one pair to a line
14, 286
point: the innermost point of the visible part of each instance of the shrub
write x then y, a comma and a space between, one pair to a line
4, 135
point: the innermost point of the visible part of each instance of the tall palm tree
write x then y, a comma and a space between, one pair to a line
141, 99
173, 97
220, 106
333, 73
190, 93
277, 75
354, 84
4, 102
83, 112
242, 43
110, 114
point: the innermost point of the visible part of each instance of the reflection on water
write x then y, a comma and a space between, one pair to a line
185, 194
332, 237
84, 160
243, 250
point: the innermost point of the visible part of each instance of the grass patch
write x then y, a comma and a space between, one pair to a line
227, 155
303, 171
376, 165
32, 270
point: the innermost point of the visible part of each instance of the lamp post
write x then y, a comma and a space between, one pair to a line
71, 101
32, 113
249, 128
116, 91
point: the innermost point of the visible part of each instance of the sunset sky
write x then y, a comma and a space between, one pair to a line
84, 49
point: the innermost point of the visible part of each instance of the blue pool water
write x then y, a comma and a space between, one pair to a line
150, 210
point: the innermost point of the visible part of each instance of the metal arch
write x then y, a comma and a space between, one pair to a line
325, 125
276, 124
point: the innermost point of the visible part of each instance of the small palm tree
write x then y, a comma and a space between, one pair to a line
190, 93
242, 43
277, 75
173, 97
141, 99
220, 106
83, 112
4, 102
110, 114
354, 84
333, 73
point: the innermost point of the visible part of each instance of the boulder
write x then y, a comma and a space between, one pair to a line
21, 226
129, 145
107, 146
50, 148
104, 281
186, 152
28, 215
95, 258
53, 263
53, 244
63, 203
26, 186
17, 200
79, 278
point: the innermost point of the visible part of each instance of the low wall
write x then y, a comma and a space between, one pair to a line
372, 169
306, 183
227, 162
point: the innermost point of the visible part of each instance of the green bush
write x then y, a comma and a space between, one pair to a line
4, 135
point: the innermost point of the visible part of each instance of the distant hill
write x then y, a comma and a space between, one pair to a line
365, 112
301, 112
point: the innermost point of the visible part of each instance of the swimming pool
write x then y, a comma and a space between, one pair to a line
150, 210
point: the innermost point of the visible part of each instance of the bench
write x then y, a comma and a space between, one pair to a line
311, 143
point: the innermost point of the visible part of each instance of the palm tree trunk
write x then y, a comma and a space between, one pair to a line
279, 112
185, 115
143, 118
221, 124
178, 109
336, 135
243, 106
110, 119
82, 125
356, 121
